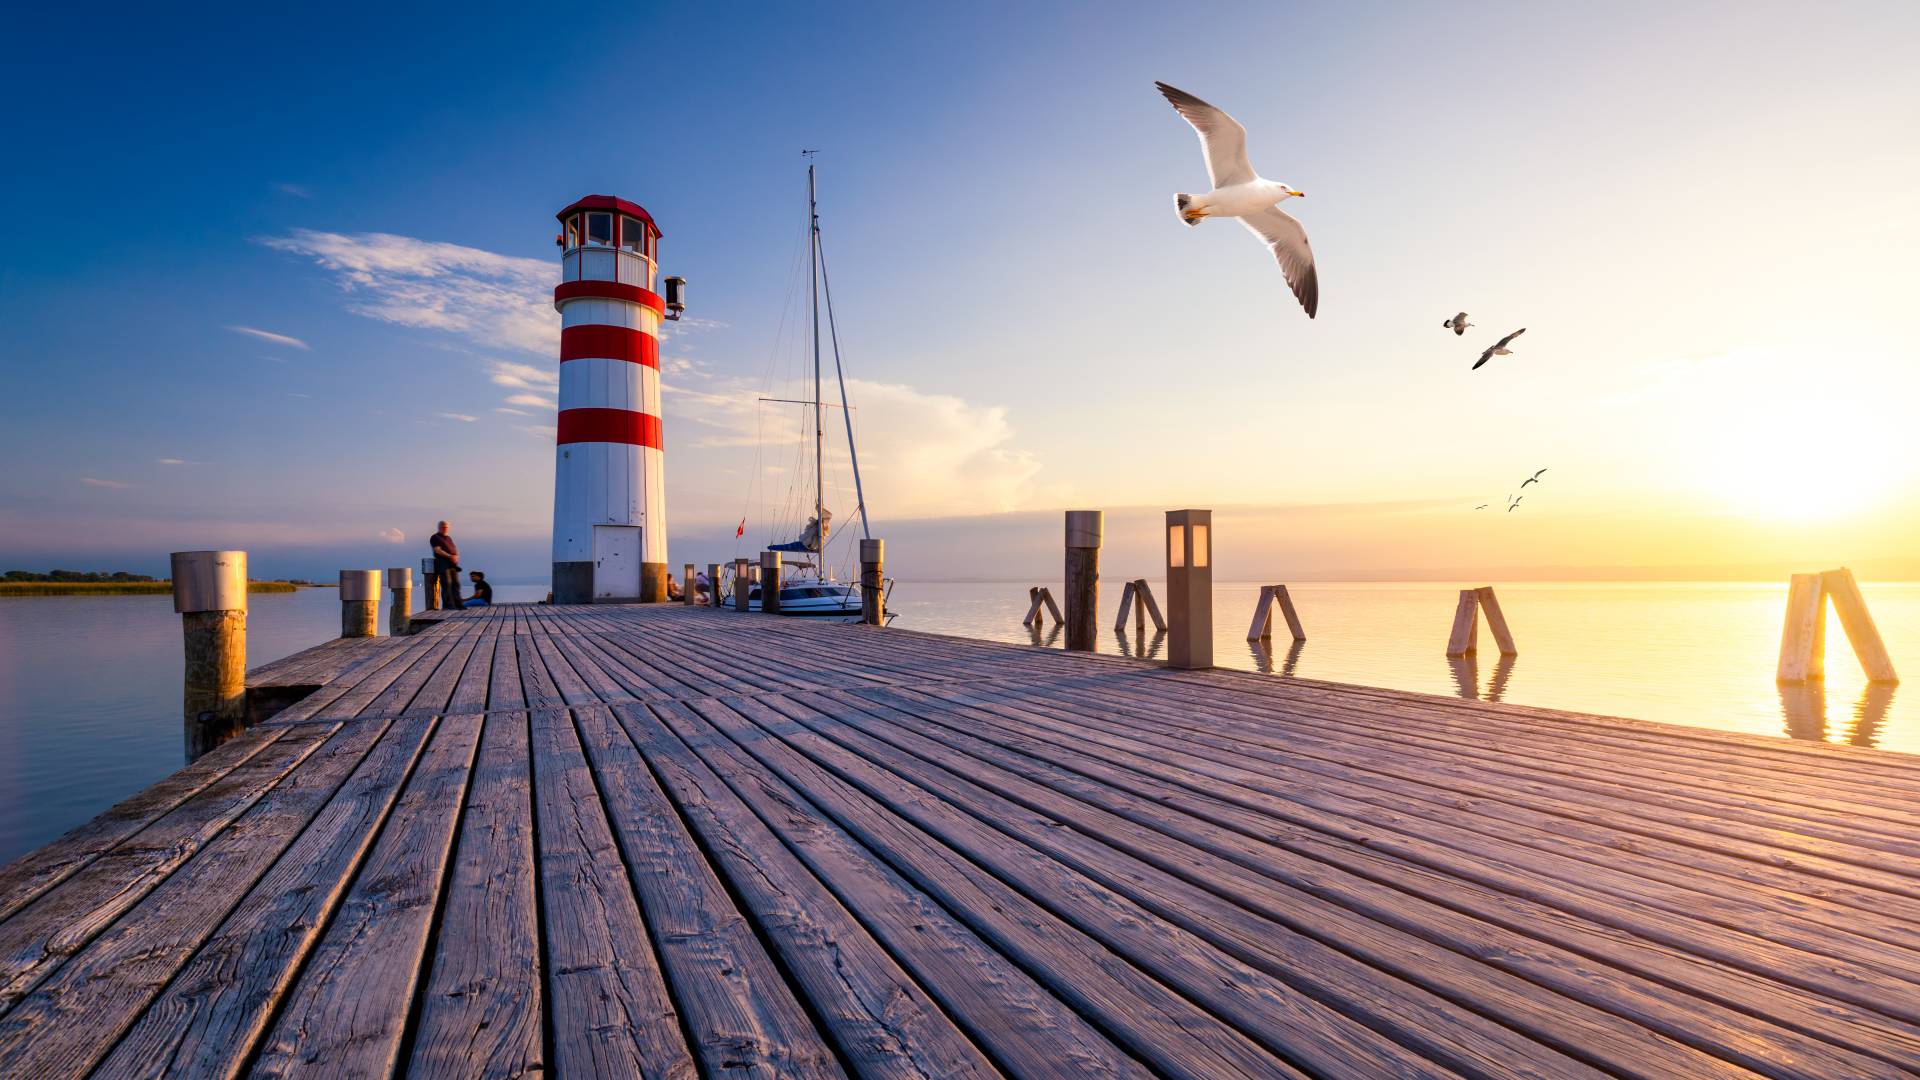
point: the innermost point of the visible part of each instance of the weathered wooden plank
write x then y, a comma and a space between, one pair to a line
737, 1008
73, 1018
208, 1018
59, 923
883, 1022
481, 1009
1142, 1014
347, 1012
611, 1013
1025, 1027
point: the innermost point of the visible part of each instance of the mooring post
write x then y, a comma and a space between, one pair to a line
1190, 588
359, 601
742, 585
770, 582
1272, 596
210, 593
1465, 637
1083, 578
430, 582
687, 596
653, 582
1803, 638
873, 579
713, 584
400, 614
1851, 606
1496, 620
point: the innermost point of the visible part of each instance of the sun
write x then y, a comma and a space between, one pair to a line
1817, 456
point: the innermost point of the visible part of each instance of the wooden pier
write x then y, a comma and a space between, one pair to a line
665, 841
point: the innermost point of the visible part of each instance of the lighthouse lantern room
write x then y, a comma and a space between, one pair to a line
609, 497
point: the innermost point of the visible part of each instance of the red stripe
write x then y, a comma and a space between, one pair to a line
609, 343
610, 425
608, 290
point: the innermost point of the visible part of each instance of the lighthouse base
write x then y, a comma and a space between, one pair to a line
573, 582
653, 582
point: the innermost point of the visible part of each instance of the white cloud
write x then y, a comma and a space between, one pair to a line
170, 461
294, 395
487, 298
549, 433
393, 536
524, 376
96, 482
268, 335
511, 412
298, 191
462, 417
533, 400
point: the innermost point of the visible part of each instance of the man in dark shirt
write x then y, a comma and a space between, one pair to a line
482, 592
446, 564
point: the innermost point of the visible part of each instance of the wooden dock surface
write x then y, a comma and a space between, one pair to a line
660, 841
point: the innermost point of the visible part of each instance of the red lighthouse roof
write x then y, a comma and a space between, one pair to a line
614, 203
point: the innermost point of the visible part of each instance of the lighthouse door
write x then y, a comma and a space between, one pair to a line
616, 562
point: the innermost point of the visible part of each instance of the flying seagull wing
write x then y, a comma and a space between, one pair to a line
1285, 237
1484, 357
1510, 337
1459, 324
1221, 137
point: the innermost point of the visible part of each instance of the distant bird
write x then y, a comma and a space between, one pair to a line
1458, 324
1240, 192
1483, 506
1534, 479
1499, 349
1514, 504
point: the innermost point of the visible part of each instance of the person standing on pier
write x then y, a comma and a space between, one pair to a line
446, 564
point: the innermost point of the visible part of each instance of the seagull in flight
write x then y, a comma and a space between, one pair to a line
1514, 504
1458, 324
1499, 349
1483, 506
1240, 192
1534, 479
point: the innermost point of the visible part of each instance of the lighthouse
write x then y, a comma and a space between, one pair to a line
609, 482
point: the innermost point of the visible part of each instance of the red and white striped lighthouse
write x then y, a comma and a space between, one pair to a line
609, 497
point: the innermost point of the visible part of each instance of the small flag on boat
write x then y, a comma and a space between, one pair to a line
742, 530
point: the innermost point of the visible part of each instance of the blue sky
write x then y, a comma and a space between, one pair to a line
1701, 212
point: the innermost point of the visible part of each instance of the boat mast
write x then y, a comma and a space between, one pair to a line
819, 428
846, 409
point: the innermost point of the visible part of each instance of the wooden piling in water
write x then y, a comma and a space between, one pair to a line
1272, 596
400, 612
1803, 643
873, 578
1041, 598
1465, 637
1496, 620
210, 593
1083, 578
359, 603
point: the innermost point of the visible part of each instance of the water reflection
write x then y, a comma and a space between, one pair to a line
1466, 677
1141, 648
1262, 650
1804, 708
1048, 639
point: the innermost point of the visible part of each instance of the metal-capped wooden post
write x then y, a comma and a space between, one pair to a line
1083, 578
687, 596
770, 582
742, 585
873, 579
400, 614
359, 603
1190, 588
430, 583
210, 593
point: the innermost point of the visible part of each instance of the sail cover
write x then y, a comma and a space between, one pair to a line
809, 536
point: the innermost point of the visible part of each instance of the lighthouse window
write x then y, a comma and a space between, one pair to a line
633, 235
600, 229
573, 231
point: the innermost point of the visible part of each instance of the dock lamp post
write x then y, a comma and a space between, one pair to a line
1190, 588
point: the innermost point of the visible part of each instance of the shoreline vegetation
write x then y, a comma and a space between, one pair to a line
123, 588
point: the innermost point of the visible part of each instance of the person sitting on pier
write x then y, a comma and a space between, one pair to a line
482, 592
446, 566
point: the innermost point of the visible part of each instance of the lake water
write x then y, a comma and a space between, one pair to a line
90, 686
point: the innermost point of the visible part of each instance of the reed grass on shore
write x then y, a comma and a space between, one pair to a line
118, 588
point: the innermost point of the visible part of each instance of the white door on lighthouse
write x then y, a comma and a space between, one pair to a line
616, 562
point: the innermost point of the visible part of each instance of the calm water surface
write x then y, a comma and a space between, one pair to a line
90, 686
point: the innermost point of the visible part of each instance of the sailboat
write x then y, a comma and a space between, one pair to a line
811, 592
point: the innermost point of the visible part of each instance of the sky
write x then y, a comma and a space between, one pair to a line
283, 282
